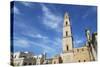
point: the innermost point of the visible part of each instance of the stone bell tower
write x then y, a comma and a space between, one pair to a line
67, 35
67, 54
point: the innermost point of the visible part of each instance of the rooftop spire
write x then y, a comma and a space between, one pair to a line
66, 15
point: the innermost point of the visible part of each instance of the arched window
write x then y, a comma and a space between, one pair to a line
82, 49
77, 50
66, 22
66, 33
60, 60
79, 61
66, 17
67, 47
84, 60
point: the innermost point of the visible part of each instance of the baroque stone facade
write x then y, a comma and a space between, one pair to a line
70, 54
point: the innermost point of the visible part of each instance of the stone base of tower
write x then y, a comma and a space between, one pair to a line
67, 57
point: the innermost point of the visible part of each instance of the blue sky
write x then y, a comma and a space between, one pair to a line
38, 26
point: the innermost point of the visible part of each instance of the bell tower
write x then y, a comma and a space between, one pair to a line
67, 54
67, 35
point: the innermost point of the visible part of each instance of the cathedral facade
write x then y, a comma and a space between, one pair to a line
71, 54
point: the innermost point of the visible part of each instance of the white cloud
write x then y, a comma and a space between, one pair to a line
50, 19
28, 4
34, 34
43, 46
46, 44
78, 41
20, 42
38, 36
16, 10
24, 43
30, 31
58, 41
